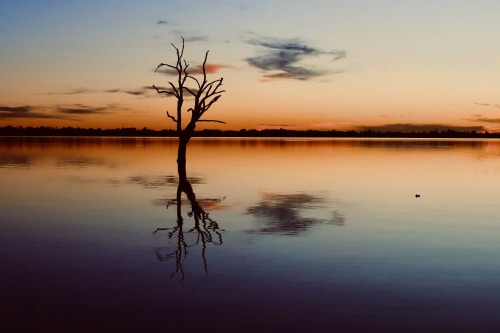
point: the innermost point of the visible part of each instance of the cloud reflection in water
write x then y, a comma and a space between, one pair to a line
286, 213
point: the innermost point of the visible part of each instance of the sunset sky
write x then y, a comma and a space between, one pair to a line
336, 64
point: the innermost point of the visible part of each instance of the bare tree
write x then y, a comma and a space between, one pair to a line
205, 93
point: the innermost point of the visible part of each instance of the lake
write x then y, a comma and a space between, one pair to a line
296, 235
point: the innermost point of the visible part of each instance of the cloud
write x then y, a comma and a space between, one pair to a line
409, 128
67, 112
74, 92
16, 109
480, 118
489, 105
282, 58
137, 92
196, 39
80, 109
192, 36
112, 91
25, 111
209, 68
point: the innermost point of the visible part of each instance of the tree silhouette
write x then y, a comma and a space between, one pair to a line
205, 94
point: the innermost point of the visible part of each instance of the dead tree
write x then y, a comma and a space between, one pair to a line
204, 93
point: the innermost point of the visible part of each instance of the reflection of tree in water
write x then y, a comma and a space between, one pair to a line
204, 232
284, 213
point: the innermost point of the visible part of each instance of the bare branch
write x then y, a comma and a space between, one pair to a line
174, 93
160, 65
210, 103
190, 91
196, 80
172, 117
175, 89
212, 121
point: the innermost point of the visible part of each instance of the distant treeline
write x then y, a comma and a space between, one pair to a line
146, 132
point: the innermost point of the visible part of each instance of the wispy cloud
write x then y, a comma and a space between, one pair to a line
69, 112
75, 91
191, 36
25, 111
480, 118
489, 105
282, 58
136, 92
196, 39
80, 109
15, 109
409, 127
210, 68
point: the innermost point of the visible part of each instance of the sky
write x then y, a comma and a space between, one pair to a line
321, 65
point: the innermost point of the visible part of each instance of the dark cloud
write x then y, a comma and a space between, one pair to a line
166, 71
409, 128
25, 111
55, 112
149, 91
16, 109
479, 118
281, 58
80, 109
135, 92
139, 92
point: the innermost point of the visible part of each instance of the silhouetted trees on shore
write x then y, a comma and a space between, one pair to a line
146, 132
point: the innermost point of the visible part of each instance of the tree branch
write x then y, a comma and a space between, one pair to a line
174, 93
212, 121
172, 117
205, 93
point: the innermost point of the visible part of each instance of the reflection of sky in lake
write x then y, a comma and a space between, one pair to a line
317, 235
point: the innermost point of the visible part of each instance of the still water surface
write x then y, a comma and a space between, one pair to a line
316, 235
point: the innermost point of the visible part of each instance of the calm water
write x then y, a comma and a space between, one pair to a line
301, 235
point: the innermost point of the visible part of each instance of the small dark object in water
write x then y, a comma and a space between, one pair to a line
417, 195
